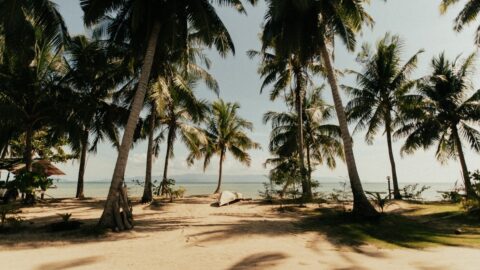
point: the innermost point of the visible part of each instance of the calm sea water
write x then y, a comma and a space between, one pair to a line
66, 189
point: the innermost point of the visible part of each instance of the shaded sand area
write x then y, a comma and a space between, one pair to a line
193, 234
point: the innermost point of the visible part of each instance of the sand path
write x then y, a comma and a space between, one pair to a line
191, 234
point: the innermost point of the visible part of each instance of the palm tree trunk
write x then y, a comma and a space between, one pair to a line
81, 169
163, 185
309, 166
306, 187
28, 148
117, 212
461, 156
361, 205
147, 189
220, 169
396, 189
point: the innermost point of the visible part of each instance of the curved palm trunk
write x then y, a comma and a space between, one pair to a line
361, 205
306, 187
396, 189
461, 156
220, 170
81, 169
147, 189
164, 184
117, 213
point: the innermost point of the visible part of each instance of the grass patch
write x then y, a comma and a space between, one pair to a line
425, 226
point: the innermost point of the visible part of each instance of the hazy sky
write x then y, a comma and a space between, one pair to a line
419, 23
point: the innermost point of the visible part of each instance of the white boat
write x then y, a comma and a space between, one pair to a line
227, 197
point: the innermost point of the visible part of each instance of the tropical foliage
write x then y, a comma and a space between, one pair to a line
383, 88
322, 140
445, 114
225, 131
467, 15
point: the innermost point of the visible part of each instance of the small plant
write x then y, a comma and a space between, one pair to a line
341, 196
268, 192
66, 224
379, 201
452, 196
414, 192
65, 217
165, 187
178, 193
472, 206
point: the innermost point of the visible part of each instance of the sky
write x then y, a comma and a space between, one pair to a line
420, 25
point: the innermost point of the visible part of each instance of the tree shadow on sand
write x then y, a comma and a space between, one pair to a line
394, 230
259, 261
61, 265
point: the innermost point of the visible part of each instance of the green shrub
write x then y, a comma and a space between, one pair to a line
65, 217
379, 201
414, 192
28, 182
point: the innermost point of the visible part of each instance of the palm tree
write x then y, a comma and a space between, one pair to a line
322, 143
151, 125
307, 28
290, 73
444, 114
225, 131
146, 25
16, 17
383, 86
94, 71
182, 111
38, 70
467, 15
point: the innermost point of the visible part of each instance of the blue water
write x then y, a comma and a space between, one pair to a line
66, 189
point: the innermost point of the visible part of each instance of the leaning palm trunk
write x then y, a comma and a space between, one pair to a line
147, 189
361, 205
306, 187
396, 189
81, 169
163, 190
220, 169
461, 156
117, 213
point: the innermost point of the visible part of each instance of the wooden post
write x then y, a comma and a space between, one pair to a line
389, 188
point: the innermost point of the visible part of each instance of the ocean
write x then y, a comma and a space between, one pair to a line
99, 189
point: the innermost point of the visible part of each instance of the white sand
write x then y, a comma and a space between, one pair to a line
191, 234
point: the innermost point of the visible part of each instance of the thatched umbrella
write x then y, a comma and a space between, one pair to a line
40, 166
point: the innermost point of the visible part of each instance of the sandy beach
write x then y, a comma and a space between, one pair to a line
193, 234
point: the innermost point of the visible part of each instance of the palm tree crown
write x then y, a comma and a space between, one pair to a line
466, 16
383, 87
445, 114
225, 131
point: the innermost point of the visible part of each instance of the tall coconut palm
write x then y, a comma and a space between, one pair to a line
39, 72
467, 15
291, 77
308, 28
322, 143
94, 73
445, 114
146, 25
225, 131
181, 112
383, 86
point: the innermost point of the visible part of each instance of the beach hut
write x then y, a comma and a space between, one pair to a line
41, 166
